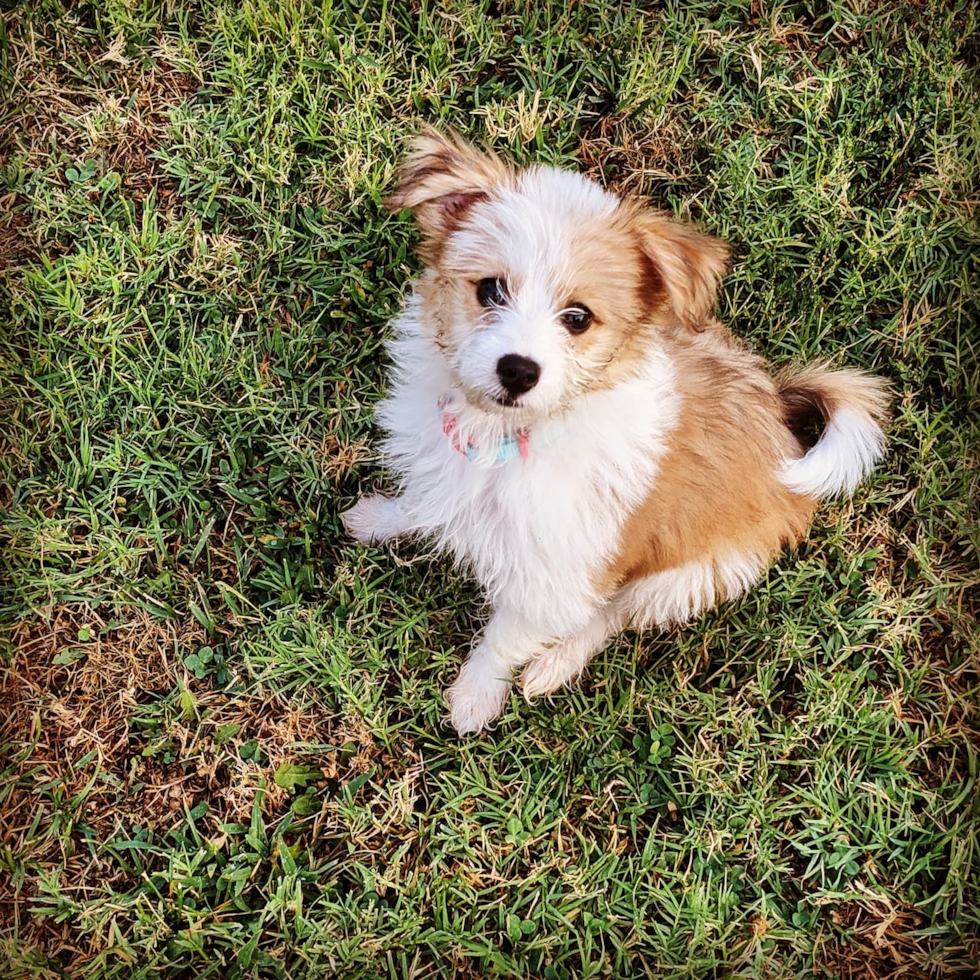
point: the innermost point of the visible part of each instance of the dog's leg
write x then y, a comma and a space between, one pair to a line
375, 519
479, 694
563, 663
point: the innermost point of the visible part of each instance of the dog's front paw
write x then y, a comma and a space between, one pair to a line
373, 519
474, 702
548, 673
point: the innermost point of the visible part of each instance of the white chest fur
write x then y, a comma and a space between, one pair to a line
536, 530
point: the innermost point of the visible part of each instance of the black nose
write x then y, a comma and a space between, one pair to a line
517, 374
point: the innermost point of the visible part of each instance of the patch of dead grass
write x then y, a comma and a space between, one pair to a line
56, 119
14, 234
56, 711
629, 157
83, 773
890, 941
56, 116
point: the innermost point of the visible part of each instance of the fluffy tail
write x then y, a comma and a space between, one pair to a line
851, 405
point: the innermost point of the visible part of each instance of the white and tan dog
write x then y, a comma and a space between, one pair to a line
568, 419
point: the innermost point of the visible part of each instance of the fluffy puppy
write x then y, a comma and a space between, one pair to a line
566, 417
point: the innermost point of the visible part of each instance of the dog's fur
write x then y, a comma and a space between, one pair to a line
662, 467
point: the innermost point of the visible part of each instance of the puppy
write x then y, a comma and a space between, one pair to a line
566, 417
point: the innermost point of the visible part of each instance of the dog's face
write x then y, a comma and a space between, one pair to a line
541, 285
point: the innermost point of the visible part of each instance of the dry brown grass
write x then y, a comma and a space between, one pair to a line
630, 156
55, 120
890, 941
55, 714
57, 711
14, 234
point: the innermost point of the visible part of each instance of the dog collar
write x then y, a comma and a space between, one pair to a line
510, 447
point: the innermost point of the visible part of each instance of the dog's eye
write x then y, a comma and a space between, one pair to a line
491, 292
577, 319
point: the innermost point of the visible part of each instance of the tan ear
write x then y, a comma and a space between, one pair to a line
441, 179
690, 265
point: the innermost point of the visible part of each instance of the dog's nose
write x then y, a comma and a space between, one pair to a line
517, 374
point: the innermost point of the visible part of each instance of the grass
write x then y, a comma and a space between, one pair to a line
222, 743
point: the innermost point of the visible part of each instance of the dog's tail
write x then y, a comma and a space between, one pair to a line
851, 406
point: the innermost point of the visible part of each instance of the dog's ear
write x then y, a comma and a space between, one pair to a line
687, 265
442, 177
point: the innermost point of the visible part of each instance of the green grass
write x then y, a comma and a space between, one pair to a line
223, 750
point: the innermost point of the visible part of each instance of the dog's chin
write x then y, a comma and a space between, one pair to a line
514, 411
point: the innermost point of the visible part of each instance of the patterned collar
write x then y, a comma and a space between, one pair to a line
510, 447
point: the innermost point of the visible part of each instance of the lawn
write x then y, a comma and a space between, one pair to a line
223, 744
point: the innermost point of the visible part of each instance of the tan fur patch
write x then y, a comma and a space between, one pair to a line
717, 492
607, 277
